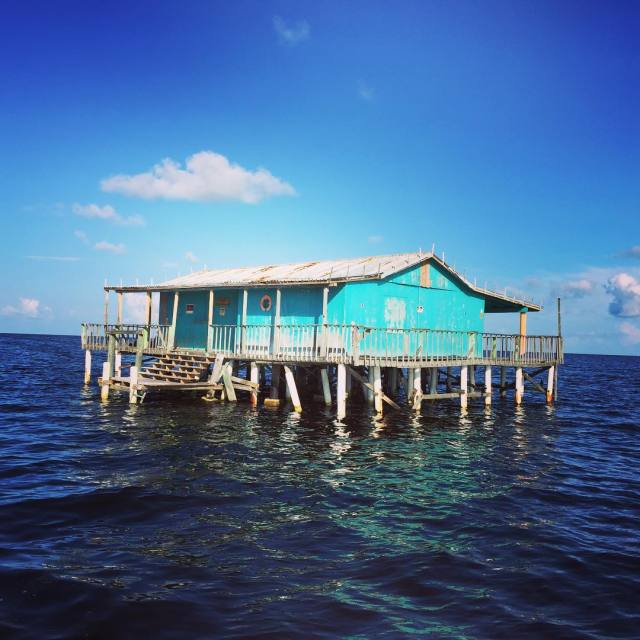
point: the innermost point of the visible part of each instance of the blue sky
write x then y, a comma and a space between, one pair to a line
507, 133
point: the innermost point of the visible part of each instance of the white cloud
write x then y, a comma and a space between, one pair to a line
29, 307
207, 176
630, 333
106, 212
82, 236
135, 307
633, 252
576, 288
53, 258
625, 290
108, 246
365, 91
191, 257
375, 239
291, 34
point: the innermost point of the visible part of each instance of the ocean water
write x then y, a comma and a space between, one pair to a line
179, 518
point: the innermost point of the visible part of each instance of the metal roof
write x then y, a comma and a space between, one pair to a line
323, 272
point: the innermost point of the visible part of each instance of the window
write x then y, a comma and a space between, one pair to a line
189, 308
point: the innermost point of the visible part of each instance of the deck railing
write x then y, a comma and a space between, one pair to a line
352, 344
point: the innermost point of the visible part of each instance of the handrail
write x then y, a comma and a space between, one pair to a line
342, 343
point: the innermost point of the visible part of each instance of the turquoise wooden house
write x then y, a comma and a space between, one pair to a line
407, 311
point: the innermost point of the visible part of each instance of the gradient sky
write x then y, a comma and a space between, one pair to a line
507, 133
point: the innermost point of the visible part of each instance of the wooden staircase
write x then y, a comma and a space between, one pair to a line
178, 368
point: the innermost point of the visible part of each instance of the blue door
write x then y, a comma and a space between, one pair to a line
191, 322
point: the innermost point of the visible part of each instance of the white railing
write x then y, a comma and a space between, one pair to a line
95, 337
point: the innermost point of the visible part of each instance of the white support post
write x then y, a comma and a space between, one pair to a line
87, 366
326, 388
325, 318
119, 320
245, 302
377, 389
392, 380
293, 391
174, 319
487, 385
210, 320
274, 393
255, 378
276, 323
519, 385
448, 381
464, 373
347, 385
472, 376
229, 391
551, 374
118, 363
342, 391
410, 387
147, 310
106, 307
503, 382
370, 393
417, 388
133, 385
433, 381
106, 374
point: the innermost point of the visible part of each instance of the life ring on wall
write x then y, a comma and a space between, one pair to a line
265, 302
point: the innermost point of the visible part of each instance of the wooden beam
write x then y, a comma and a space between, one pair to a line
230, 392
534, 383
368, 386
293, 391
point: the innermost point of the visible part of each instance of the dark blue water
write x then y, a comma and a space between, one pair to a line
181, 518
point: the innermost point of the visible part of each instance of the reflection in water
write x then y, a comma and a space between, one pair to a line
199, 519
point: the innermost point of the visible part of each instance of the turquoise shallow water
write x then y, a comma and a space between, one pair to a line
180, 518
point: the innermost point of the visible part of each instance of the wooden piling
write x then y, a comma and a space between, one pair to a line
410, 374
229, 391
369, 390
87, 366
464, 373
106, 376
118, 364
472, 376
326, 387
341, 391
293, 390
433, 381
448, 380
503, 382
519, 386
133, 385
377, 389
551, 374
392, 383
487, 385
417, 389
254, 376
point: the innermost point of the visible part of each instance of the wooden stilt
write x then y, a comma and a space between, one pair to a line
87, 366
410, 387
377, 389
392, 385
551, 374
133, 385
448, 381
118, 364
326, 388
503, 382
464, 372
119, 317
519, 388
348, 383
274, 392
417, 389
106, 375
369, 390
487, 385
433, 381
293, 391
341, 392
230, 392
254, 376
472, 376
287, 391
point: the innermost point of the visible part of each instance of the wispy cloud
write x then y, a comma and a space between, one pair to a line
207, 176
633, 252
103, 245
291, 34
375, 239
625, 290
106, 212
576, 288
53, 258
29, 307
82, 236
630, 333
366, 91
135, 307
191, 257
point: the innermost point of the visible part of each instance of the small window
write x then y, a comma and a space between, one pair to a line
189, 308
265, 302
420, 308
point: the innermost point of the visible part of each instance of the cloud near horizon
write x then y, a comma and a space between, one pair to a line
106, 212
625, 290
206, 177
29, 307
291, 34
